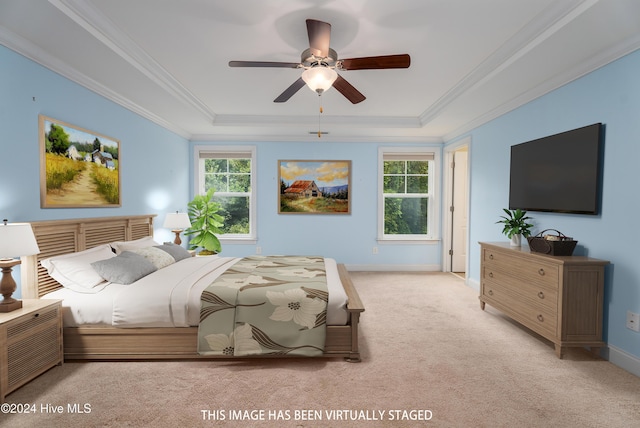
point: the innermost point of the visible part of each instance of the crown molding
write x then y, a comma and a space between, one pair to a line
550, 21
309, 120
592, 64
27, 49
260, 137
100, 27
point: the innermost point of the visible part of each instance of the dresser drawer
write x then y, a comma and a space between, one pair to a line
543, 295
530, 271
538, 317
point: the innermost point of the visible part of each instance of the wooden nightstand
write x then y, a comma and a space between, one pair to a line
30, 342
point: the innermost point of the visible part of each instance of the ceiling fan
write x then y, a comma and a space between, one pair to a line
320, 63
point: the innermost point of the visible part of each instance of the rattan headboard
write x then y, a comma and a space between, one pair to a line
57, 237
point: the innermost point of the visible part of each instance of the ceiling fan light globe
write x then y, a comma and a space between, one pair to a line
319, 79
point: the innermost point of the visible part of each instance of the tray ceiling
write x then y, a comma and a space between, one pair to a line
471, 61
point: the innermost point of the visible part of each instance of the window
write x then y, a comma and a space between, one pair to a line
230, 172
407, 204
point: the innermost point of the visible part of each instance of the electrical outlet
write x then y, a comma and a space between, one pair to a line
633, 321
375, 250
258, 250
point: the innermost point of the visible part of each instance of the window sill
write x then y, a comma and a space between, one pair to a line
405, 241
239, 241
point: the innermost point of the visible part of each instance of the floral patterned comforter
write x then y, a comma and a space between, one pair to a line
269, 305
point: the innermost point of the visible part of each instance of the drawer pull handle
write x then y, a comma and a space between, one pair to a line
541, 295
540, 318
541, 272
36, 315
490, 256
490, 274
490, 293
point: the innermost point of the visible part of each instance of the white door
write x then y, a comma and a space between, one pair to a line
459, 214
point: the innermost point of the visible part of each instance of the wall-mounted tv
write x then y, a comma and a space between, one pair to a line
559, 173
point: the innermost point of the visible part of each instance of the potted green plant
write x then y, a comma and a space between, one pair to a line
515, 225
205, 224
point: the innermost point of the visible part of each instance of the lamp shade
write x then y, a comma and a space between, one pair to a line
319, 78
16, 240
177, 221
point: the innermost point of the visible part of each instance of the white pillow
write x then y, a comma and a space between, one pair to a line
74, 271
145, 242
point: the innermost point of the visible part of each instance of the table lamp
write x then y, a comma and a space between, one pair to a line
177, 222
16, 239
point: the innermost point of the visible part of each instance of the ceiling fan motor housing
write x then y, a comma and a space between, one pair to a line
308, 59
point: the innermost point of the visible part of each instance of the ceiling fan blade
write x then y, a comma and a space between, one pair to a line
377, 62
347, 89
288, 93
319, 37
263, 64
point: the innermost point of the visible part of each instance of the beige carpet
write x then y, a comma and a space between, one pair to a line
428, 352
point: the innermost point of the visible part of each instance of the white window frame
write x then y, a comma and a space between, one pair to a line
229, 152
433, 209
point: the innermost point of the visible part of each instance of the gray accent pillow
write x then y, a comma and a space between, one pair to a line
125, 268
176, 251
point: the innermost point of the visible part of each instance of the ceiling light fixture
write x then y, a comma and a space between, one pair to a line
319, 78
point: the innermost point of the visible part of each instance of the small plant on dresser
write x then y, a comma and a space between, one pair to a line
515, 225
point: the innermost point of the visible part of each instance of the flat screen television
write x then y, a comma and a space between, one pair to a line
559, 173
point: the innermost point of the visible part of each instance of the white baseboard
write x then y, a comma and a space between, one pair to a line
623, 360
393, 268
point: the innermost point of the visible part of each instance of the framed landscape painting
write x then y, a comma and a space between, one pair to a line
78, 168
314, 187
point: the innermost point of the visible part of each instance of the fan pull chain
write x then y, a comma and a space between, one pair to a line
319, 114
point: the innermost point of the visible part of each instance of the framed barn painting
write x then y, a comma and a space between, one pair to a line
78, 168
314, 187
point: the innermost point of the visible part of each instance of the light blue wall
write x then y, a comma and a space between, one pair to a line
347, 238
610, 95
154, 162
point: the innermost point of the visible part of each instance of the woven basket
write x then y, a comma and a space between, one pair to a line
559, 245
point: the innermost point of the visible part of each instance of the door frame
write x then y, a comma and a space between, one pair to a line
449, 153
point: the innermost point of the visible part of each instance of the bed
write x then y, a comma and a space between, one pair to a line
102, 341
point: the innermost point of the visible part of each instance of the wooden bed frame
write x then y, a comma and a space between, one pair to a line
56, 237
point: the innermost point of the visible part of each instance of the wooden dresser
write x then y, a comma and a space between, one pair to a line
558, 297
30, 342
